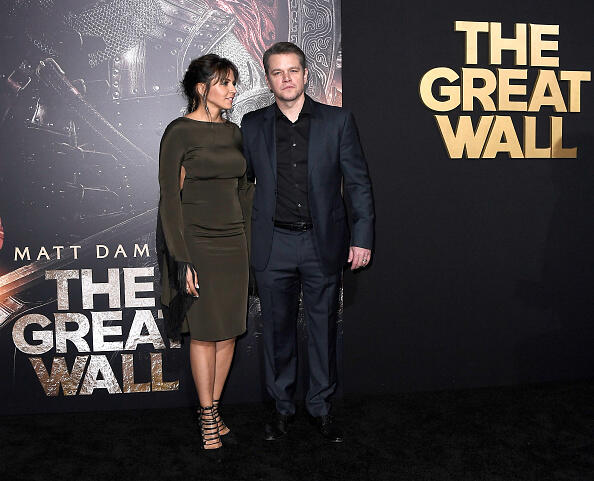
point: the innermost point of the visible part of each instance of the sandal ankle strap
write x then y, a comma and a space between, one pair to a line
209, 426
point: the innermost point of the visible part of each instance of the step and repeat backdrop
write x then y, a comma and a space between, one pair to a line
87, 88
478, 122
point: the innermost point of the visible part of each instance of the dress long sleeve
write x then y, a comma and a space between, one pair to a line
172, 251
245, 190
171, 155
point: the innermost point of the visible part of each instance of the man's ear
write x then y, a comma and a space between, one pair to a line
305, 75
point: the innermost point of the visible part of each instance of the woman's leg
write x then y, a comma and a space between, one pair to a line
203, 363
224, 356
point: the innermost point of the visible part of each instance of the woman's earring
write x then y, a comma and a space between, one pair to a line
205, 105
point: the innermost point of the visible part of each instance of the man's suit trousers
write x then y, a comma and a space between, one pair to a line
294, 264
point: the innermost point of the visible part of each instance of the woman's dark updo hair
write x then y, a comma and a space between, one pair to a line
208, 69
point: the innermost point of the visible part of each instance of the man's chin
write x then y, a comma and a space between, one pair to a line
288, 96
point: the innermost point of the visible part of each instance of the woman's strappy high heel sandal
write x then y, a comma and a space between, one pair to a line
209, 431
225, 433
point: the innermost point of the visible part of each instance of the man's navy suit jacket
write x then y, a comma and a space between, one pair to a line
334, 154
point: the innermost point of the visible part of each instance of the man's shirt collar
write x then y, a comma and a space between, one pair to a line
305, 110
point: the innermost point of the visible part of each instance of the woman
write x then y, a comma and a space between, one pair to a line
203, 216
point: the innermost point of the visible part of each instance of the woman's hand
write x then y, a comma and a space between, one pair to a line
192, 282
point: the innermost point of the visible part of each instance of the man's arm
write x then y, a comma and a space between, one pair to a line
357, 186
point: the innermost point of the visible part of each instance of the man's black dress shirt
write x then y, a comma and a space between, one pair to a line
292, 141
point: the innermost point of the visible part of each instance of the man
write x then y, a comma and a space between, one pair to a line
301, 153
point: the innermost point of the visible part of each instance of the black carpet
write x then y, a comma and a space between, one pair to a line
542, 432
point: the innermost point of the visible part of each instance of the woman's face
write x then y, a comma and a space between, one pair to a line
220, 96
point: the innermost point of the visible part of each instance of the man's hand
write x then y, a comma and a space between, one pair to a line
359, 257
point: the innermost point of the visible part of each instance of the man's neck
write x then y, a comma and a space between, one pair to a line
292, 108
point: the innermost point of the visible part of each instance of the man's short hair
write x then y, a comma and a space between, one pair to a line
283, 47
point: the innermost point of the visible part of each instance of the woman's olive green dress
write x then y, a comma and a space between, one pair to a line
205, 226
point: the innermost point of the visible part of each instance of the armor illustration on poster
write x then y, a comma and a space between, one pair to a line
86, 91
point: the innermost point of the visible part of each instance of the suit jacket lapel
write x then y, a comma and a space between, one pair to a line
269, 133
316, 137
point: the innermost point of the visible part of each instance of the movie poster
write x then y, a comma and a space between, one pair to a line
86, 91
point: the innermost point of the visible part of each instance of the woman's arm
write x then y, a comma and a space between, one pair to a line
171, 155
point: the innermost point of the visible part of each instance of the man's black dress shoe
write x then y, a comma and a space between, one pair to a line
329, 428
277, 427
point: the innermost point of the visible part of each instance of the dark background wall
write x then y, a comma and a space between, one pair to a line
484, 269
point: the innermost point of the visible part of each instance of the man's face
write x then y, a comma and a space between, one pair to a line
286, 78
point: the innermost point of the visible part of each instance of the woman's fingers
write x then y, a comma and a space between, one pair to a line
191, 282
196, 285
